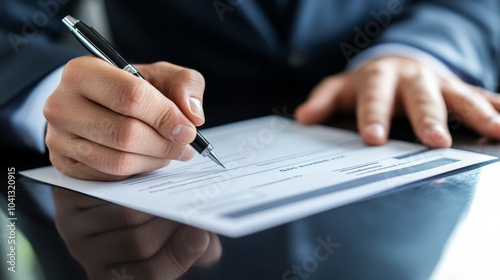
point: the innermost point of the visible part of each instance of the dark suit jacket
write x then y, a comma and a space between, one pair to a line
253, 69
248, 68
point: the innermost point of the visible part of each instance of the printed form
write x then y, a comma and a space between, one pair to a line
277, 171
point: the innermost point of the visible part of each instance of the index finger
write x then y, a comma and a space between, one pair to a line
128, 95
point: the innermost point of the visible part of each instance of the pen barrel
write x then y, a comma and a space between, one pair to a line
98, 46
102, 44
201, 145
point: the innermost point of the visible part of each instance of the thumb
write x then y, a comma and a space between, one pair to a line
323, 100
184, 86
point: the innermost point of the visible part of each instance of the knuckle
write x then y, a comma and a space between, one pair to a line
161, 65
325, 80
371, 95
370, 118
426, 121
52, 109
51, 141
171, 150
56, 142
469, 105
72, 71
127, 216
132, 93
137, 243
479, 91
69, 69
180, 263
76, 250
71, 239
122, 164
421, 98
415, 73
328, 80
124, 136
167, 151
190, 78
377, 68
191, 75
164, 121
63, 165
184, 261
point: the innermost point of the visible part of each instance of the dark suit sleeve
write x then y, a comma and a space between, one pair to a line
464, 34
31, 34
29, 49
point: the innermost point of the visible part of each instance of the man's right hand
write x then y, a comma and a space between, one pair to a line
106, 124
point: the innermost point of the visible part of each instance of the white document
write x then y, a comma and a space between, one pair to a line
277, 171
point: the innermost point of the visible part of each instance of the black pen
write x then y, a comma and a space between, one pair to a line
100, 47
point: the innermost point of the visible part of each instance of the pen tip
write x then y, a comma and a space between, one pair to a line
220, 163
215, 159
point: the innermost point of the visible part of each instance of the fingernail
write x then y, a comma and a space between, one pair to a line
437, 135
183, 134
195, 241
376, 129
496, 120
196, 108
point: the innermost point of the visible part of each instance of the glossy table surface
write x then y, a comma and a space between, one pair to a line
472, 249
447, 228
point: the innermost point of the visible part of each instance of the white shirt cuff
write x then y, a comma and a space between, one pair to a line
28, 120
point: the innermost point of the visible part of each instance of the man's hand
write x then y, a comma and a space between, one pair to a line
109, 240
390, 85
106, 124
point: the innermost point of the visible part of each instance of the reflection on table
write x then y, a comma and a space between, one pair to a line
442, 229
